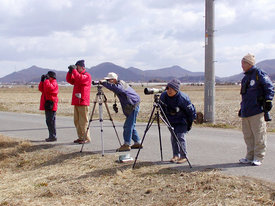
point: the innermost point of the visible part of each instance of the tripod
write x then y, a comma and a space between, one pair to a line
100, 99
160, 115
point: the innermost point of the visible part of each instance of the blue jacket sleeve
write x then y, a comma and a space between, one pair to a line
267, 85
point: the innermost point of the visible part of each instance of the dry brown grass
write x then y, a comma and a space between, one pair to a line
26, 99
42, 175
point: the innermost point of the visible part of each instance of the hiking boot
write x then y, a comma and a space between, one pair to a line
124, 148
245, 161
83, 141
256, 162
181, 160
50, 139
136, 146
174, 159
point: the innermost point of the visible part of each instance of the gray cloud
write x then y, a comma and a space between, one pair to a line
143, 33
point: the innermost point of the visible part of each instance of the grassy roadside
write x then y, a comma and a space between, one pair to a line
40, 174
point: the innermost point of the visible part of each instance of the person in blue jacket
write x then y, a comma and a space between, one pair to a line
129, 101
181, 113
257, 92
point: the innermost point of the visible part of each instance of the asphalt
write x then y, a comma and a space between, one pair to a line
207, 148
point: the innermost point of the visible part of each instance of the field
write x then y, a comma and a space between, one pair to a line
42, 175
26, 99
39, 174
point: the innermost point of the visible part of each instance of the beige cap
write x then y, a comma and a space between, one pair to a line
249, 58
111, 75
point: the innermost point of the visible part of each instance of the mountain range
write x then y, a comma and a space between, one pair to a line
132, 74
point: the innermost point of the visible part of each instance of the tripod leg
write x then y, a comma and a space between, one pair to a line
165, 120
160, 144
108, 111
101, 126
149, 124
91, 119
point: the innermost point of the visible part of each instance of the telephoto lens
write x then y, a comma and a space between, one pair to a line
148, 91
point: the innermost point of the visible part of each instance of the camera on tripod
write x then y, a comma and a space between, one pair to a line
148, 91
95, 82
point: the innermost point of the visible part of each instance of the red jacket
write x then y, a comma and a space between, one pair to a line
82, 87
49, 89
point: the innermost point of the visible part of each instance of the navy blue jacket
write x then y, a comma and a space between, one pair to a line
127, 95
179, 110
255, 84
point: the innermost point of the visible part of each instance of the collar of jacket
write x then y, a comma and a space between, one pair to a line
251, 70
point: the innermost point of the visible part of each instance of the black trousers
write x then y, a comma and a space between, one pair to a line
50, 121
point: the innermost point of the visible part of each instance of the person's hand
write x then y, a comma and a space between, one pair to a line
189, 125
268, 105
102, 81
71, 68
43, 77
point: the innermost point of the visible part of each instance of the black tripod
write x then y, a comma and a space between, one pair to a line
160, 115
100, 99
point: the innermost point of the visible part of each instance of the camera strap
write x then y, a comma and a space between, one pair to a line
115, 97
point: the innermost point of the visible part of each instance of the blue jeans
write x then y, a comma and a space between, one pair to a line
177, 150
50, 121
129, 130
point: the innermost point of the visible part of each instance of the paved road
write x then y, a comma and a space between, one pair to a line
207, 147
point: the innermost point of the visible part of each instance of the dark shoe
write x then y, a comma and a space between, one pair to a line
50, 139
136, 146
77, 141
124, 148
83, 141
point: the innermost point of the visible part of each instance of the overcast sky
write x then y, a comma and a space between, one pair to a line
146, 34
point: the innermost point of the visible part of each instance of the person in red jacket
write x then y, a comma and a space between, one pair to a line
48, 102
81, 80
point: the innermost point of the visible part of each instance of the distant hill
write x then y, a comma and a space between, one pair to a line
131, 74
267, 65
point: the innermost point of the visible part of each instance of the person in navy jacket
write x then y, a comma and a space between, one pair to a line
181, 113
129, 101
257, 92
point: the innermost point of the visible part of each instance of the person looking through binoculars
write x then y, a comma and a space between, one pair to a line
129, 101
81, 80
181, 113
48, 102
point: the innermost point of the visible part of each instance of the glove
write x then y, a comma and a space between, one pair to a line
268, 105
189, 125
43, 78
71, 67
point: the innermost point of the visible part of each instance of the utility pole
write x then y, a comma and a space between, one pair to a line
209, 73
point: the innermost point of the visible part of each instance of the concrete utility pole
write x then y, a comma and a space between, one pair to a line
209, 75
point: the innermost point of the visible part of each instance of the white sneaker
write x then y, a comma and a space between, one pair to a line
245, 161
256, 162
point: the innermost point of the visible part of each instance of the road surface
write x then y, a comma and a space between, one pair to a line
206, 147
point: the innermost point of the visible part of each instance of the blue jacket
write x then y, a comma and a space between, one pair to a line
128, 97
255, 84
179, 110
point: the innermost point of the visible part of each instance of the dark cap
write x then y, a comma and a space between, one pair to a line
52, 74
80, 63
